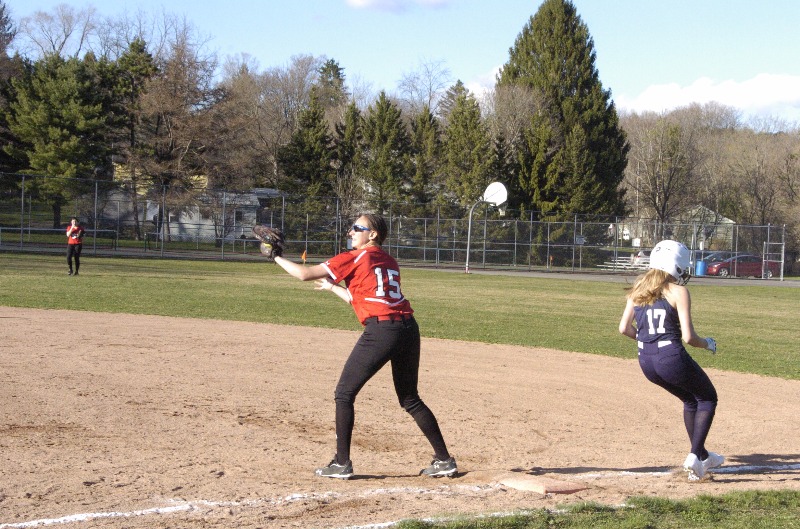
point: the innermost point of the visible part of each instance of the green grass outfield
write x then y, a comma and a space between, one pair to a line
755, 326
741, 510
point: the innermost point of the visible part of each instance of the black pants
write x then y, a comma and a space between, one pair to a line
382, 342
74, 250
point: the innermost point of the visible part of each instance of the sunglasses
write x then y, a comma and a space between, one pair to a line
359, 227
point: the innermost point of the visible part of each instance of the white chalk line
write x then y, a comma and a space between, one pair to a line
732, 469
85, 517
188, 506
755, 468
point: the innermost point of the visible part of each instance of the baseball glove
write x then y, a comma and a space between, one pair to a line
271, 241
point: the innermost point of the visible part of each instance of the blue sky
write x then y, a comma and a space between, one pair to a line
652, 55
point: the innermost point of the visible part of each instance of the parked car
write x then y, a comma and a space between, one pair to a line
743, 266
716, 257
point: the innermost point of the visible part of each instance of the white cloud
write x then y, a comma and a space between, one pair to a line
763, 96
483, 84
394, 5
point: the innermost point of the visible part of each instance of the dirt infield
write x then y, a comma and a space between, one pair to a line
111, 420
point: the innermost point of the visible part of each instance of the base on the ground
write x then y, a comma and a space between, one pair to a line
542, 485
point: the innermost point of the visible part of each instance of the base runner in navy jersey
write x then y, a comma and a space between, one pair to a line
371, 280
660, 305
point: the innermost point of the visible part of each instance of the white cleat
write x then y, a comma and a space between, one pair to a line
694, 467
713, 460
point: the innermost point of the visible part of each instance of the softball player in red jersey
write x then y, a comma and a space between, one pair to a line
372, 286
75, 233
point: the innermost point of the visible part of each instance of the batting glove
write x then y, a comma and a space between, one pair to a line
712, 345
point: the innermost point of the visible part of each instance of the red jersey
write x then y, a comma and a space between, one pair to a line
75, 234
372, 278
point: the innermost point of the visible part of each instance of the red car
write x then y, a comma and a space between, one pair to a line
743, 266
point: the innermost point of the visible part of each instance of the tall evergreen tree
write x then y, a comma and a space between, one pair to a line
9, 69
386, 148
135, 68
102, 76
449, 99
61, 121
330, 87
505, 169
468, 151
347, 159
575, 152
7, 33
306, 159
426, 150
7, 30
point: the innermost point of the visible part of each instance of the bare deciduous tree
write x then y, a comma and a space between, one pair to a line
115, 34
66, 32
283, 94
789, 165
509, 110
423, 87
361, 91
663, 164
176, 110
716, 116
755, 171
231, 159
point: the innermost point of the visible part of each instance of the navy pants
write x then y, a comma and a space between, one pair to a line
672, 368
396, 342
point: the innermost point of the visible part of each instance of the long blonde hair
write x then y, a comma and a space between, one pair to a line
649, 287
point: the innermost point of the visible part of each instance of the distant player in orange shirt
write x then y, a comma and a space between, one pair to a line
75, 234
372, 286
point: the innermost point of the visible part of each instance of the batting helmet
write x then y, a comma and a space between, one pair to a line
673, 258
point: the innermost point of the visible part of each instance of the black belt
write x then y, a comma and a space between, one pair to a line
389, 317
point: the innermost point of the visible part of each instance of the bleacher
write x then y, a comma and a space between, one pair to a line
627, 263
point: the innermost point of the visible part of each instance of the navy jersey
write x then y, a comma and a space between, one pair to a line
657, 322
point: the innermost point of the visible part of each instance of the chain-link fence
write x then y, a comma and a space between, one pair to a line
125, 219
